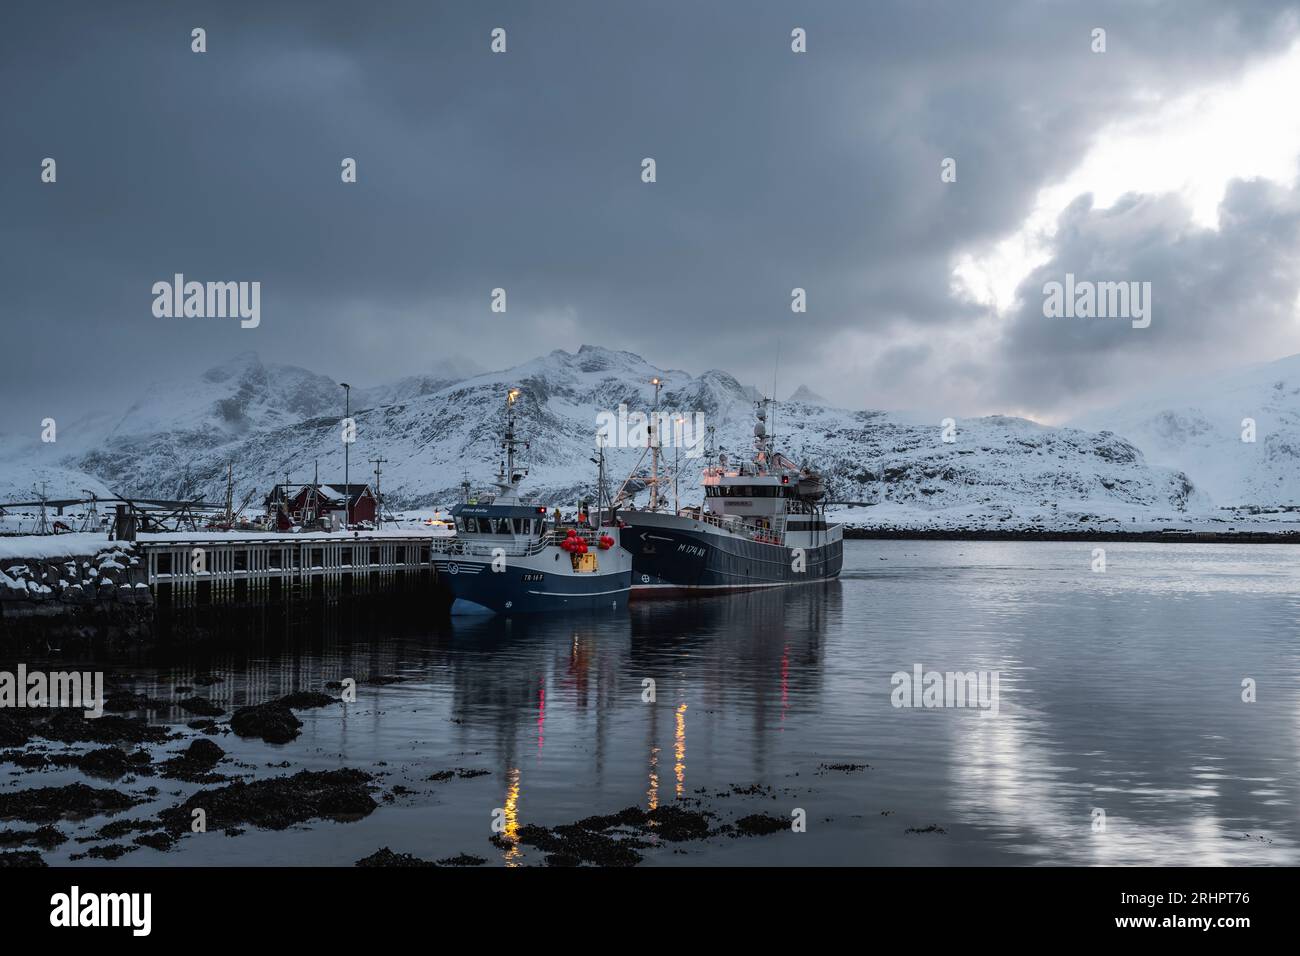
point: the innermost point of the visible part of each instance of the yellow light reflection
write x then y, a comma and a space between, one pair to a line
652, 795
511, 831
679, 750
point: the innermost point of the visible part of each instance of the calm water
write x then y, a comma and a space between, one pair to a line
1118, 690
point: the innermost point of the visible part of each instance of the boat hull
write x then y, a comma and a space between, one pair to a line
477, 589
674, 555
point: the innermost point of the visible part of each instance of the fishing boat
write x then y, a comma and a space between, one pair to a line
509, 556
762, 524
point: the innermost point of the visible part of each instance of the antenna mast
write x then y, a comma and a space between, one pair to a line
654, 447
507, 477
379, 499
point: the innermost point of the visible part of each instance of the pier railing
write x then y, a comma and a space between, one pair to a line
208, 566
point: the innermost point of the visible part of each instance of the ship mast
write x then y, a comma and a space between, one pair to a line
654, 447
762, 442
507, 478
602, 492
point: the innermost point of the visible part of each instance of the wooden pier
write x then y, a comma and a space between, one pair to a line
237, 568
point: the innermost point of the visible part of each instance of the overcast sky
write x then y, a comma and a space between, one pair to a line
1169, 158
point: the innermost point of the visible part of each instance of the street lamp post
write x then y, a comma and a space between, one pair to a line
347, 448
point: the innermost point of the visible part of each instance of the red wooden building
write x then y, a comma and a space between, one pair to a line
303, 505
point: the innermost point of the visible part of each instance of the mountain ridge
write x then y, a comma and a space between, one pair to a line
277, 421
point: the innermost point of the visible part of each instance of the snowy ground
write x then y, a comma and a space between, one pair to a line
1063, 517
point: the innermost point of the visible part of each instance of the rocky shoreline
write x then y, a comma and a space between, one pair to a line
74, 598
127, 753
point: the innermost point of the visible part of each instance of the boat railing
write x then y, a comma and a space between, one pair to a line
511, 547
737, 525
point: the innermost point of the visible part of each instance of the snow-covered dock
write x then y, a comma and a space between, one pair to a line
219, 567
181, 568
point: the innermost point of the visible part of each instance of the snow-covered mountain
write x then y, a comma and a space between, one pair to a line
1202, 428
270, 422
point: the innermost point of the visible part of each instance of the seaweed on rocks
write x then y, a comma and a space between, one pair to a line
386, 857
279, 802
110, 851
195, 763
160, 841
15, 729
73, 727
761, 824
118, 829
27, 759
463, 773
576, 842
48, 804
675, 823
273, 722
23, 858
111, 763
612, 839
46, 837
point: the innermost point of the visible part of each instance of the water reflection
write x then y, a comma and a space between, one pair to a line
1116, 695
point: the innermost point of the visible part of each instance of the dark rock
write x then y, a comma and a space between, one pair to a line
386, 857
108, 762
47, 838
204, 751
676, 823
118, 829
15, 729
273, 722
157, 841
111, 851
25, 858
73, 727
462, 859
195, 763
761, 824
279, 802
47, 804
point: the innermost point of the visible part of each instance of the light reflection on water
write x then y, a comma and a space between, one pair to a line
1119, 691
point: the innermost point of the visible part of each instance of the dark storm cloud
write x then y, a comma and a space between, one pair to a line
1216, 295
522, 171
